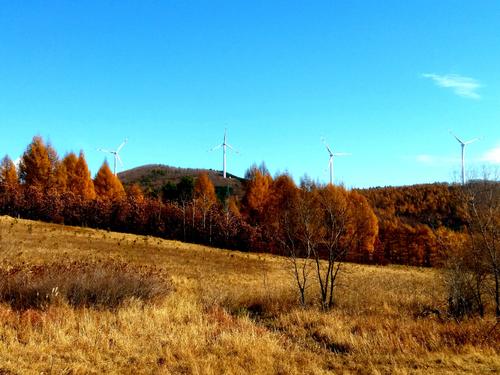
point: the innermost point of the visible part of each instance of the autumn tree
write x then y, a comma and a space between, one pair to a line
69, 161
58, 176
363, 226
8, 173
483, 229
107, 185
9, 185
35, 167
204, 194
41, 168
262, 168
472, 264
135, 192
290, 216
257, 193
83, 184
232, 206
334, 244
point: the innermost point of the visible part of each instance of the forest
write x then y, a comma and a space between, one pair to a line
413, 225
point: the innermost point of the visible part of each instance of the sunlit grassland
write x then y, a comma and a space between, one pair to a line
232, 312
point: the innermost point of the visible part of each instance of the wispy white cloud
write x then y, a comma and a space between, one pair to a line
492, 156
465, 87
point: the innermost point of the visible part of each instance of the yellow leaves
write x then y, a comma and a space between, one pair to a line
204, 191
8, 173
258, 192
107, 185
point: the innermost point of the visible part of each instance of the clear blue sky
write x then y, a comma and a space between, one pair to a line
383, 80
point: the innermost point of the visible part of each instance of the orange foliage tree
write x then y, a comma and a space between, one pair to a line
107, 185
40, 167
364, 227
257, 193
135, 193
79, 180
204, 194
35, 168
9, 185
58, 176
8, 173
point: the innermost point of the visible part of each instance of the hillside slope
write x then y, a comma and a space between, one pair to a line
233, 313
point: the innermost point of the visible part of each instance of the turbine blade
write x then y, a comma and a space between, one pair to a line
458, 139
232, 149
342, 154
119, 159
121, 146
472, 141
326, 145
104, 150
216, 147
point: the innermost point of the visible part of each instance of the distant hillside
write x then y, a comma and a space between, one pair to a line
153, 177
436, 204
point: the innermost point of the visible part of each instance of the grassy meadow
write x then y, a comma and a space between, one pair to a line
226, 312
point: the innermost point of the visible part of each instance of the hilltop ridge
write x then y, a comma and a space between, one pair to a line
152, 177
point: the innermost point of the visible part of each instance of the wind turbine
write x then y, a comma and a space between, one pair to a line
332, 157
463, 144
224, 145
115, 154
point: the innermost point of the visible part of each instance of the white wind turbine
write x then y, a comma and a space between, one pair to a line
224, 145
115, 154
463, 144
332, 157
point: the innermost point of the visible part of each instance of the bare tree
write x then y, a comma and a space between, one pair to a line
303, 237
472, 269
334, 212
292, 215
483, 227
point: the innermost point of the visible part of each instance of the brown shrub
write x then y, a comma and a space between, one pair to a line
100, 285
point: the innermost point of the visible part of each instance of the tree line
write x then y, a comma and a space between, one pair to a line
404, 225
50, 188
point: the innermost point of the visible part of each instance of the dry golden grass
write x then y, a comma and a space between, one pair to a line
231, 313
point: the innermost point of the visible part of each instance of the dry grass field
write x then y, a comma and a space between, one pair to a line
229, 313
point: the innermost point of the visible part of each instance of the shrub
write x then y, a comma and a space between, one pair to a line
99, 284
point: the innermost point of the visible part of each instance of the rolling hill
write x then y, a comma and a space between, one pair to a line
151, 178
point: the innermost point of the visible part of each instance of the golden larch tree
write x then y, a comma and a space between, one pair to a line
69, 163
83, 180
107, 186
8, 173
58, 177
35, 167
257, 193
134, 192
362, 226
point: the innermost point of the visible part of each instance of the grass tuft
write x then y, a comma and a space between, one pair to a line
103, 285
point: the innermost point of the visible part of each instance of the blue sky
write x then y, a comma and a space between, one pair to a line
384, 81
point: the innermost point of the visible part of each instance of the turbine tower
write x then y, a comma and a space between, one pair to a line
224, 145
115, 154
463, 144
332, 157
